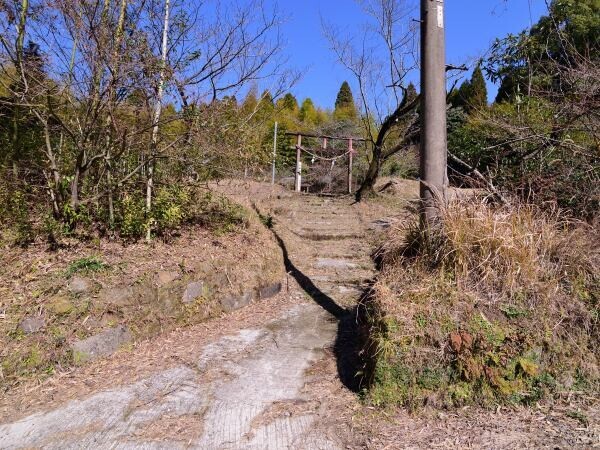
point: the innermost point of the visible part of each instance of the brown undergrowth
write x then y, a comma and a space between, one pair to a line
500, 306
132, 284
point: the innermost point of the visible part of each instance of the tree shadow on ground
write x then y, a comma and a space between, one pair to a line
350, 337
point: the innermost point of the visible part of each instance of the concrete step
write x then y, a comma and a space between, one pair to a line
331, 230
323, 236
345, 254
321, 214
335, 264
350, 290
349, 278
338, 265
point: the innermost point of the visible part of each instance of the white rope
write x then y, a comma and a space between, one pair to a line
315, 156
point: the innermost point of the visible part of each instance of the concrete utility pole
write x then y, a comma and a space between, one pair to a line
434, 179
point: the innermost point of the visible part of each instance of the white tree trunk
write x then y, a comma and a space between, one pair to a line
156, 116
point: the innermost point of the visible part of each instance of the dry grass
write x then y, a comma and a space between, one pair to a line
501, 305
32, 278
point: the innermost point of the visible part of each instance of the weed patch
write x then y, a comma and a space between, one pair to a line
86, 265
501, 306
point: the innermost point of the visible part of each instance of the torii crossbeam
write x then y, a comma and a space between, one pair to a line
325, 139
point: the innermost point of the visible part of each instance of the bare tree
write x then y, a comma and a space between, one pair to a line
105, 89
115, 73
241, 43
381, 59
76, 89
218, 51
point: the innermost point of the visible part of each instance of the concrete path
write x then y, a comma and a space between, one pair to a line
245, 390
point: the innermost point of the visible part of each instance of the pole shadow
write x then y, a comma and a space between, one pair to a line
350, 338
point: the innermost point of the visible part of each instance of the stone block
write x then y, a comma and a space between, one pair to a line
269, 290
31, 325
233, 302
193, 291
165, 277
330, 263
60, 305
101, 344
119, 295
79, 286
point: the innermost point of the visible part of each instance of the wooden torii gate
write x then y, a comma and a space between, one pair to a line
325, 140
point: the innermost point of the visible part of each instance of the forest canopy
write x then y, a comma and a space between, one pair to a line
111, 111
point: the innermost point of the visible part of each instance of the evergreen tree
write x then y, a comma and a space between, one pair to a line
344, 98
410, 94
478, 92
458, 98
250, 102
230, 100
344, 103
308, 112
528, 60
266, 106
289, 102
472, 94
267, 98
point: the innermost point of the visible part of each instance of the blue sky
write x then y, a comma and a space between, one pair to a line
471, 26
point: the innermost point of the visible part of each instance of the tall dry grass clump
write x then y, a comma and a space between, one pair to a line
501, 305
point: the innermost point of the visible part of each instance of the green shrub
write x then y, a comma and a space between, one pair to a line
54, 229
403, 165
220, 214
174, 206
24, 228
518, 147
171, 208
15, 215
76, 217
133, 223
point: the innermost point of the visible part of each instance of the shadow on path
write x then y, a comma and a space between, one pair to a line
348, 341
322, 299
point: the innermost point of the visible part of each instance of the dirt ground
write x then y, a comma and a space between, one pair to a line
136, 285
328, 244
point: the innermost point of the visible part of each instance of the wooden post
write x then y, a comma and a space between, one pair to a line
325, 151
298, 164
350, 157
274, 154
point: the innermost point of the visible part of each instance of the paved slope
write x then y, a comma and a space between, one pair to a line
246, 389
